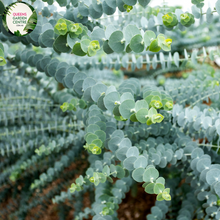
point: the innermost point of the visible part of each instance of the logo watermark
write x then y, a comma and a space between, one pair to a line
19, 18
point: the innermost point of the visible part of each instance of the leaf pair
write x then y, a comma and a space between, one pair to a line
95, 146
86, 46
156, 44
74, 187
164, 195
64, 26
97, 178
198, 3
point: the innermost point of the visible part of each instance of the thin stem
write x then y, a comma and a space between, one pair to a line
211, 12
9, 69
206, 96
144, 62
208, 145
141, 12
185, 87
24, 109
43, 129
49, 83
24, 97
30, 105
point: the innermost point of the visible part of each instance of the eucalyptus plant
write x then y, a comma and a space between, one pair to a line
87, 104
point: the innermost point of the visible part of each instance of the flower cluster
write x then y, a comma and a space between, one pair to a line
187, 19
170, 20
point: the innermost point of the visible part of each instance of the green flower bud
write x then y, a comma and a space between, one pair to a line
95, 45
73, 188
170, 20
105, 211
169, 106
187, 19
65, 106
96, 150
93, 48
156, 104
74, 27
157, 118
58, 26
128, 8
166, 196
63, 26
91, 179
169, 41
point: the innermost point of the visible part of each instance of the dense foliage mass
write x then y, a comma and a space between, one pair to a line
106, 94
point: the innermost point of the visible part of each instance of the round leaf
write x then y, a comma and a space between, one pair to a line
149, 36
116, 42
126, 107
150, 188
141, 115
150, 174
137, 43
158, 188
137, 174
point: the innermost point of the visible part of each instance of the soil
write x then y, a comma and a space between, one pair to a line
135, 206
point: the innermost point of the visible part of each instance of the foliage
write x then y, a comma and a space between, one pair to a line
70, 123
